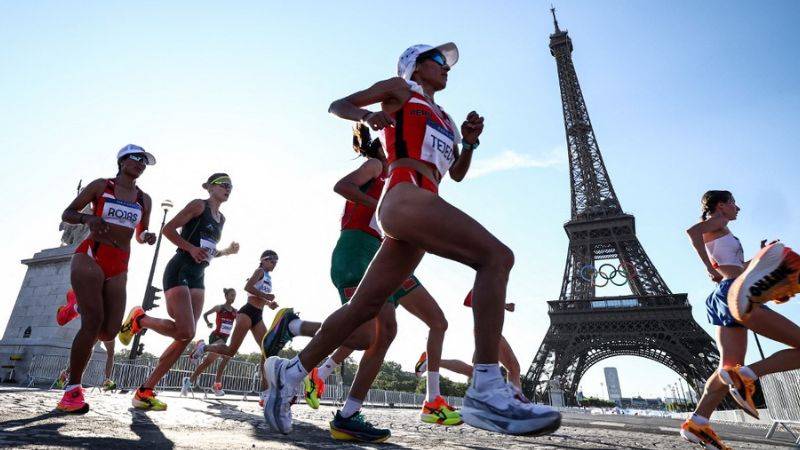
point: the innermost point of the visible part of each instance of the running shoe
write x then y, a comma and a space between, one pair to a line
703, 435
262, 397
519, 395
109, 385
196, 355
497, 409
61, 381
66, 313
742, 388
186, 386
146, 399
280, 395
422, 365
314, 388
217, 390
72, 402
773, 274
278, 334
356, 428
131, 325
440, 412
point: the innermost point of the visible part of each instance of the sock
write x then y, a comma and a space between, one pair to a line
433, 386
700, 420
295, 372
71, 387
327, 368
486, 376
294, 327
748, 372
351, 406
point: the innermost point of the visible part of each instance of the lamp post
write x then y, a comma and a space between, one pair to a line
150, 291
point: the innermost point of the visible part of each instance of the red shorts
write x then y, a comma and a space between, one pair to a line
409, 175
112, 260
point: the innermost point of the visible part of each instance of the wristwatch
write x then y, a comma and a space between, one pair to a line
467, 146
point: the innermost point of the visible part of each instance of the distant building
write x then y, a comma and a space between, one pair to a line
612, 384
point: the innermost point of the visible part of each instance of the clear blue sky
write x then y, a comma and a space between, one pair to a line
684, 97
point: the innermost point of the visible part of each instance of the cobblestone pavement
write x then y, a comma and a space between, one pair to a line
27, 420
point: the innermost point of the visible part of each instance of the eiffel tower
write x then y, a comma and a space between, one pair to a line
652, 322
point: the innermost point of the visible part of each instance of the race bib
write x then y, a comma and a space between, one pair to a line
122, 213
226, 328
437, 148
210, 247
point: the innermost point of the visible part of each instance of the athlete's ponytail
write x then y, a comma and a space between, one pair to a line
363, 144
710, 201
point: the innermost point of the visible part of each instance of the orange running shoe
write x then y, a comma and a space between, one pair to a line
440, 412
703, 435
314, 387
773, 274
422, 365
72, 402
66, 313
131, 326
145, 398
742, 388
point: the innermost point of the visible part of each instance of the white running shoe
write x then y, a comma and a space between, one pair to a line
498, 409
278, 405
197, 354
186, 386
217, 390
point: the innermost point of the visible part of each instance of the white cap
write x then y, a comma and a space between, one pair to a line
131, 149
408, 60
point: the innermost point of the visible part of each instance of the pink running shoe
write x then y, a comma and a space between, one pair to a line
66, 313
72, 402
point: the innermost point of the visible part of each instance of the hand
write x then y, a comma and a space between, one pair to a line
149, 238
472, 127
715, 276
232, 249
764, 242
198, 254
378, 120
272, 305
96, 224
269, 297
510, 307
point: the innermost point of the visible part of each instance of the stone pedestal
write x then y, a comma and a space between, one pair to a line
32, 329
556, 393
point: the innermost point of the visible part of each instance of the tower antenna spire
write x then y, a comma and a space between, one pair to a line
555, 21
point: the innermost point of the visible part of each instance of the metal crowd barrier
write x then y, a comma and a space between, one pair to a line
47, 368
782, 396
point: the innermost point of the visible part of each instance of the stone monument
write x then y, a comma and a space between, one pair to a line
32, 329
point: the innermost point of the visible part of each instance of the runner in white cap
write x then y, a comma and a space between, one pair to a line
422, 144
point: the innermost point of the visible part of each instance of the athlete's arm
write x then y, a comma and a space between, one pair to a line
250, 287
193, 209
471, 129
73, 212
142, 235
349, 186
391, 92
695, 233
209, 312
510, 307
232, 249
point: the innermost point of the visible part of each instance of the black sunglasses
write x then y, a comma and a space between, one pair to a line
138, 157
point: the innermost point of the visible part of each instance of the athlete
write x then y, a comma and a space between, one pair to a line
422, 144
201, 224
64, 315
506, 356
722, 254
99, 271
225, 316
250, 316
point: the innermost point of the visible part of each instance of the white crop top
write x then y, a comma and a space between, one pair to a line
725, 251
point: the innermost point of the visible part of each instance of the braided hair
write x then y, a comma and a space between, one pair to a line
710, 201
363, 144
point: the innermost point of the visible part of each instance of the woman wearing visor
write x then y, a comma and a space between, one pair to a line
422, 145
99, 272
201, 225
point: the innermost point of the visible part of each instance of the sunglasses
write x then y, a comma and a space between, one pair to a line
138, 158
436, 57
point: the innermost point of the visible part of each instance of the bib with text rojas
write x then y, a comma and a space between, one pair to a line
437, 147
122, 213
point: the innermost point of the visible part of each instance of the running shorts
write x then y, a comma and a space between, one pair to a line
182, 270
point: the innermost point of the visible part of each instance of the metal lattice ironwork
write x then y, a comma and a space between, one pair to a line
652, 322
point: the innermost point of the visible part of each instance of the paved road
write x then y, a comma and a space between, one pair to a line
27, 420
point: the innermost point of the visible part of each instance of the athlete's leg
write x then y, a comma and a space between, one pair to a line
334, 361
240, 329
370, 365
509, 361
109, 358
179, 296
732, 345
185, 311
87, 282
457, 366
221, 368
209, 359
767, 322
421, 304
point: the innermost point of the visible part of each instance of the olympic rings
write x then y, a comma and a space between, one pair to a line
608, 273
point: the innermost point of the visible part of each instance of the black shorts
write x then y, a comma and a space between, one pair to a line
213, 338
253, 313
182, 270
